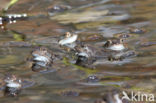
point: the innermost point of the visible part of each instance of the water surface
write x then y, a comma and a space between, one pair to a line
103, 18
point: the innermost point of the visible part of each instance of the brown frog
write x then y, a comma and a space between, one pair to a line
42, 58
69, 40
86, 55
112, 97
137, 30
13, 85
116, 50
115, 45
58, 8
122, 35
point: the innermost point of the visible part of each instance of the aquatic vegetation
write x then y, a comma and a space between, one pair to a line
11, 3
86, 70
9, 59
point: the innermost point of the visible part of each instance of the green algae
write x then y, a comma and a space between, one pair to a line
88, 71
9, 59
18, 37
11, 3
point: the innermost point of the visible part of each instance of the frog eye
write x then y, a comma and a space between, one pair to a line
121, 40
43, 49
68, 34
109, 41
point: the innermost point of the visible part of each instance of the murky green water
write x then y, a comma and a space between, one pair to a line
103, 18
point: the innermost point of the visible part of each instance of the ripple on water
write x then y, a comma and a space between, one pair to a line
105, 18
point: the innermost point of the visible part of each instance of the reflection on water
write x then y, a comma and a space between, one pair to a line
95, 21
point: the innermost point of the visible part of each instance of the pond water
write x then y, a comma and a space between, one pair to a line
95, 21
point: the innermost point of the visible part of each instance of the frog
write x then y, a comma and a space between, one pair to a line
110, 99
57, 9
92, 79
117, 52
137, 30
13, 85
122, 35
86, 55
41, 58
69, 40
113, 96
125, 36
115, 45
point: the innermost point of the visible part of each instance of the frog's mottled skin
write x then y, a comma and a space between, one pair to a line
42, 58
58, 8
42, 54
12, 85
86, 55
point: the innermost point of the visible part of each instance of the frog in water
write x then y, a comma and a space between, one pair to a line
69, 40
118, 50
86, 55
114, 96
122, 35
57, 9
115, 45
41, 58
110, 98
13, 85
137, 30
126, 36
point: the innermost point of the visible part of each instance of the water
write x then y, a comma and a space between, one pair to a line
101, 18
